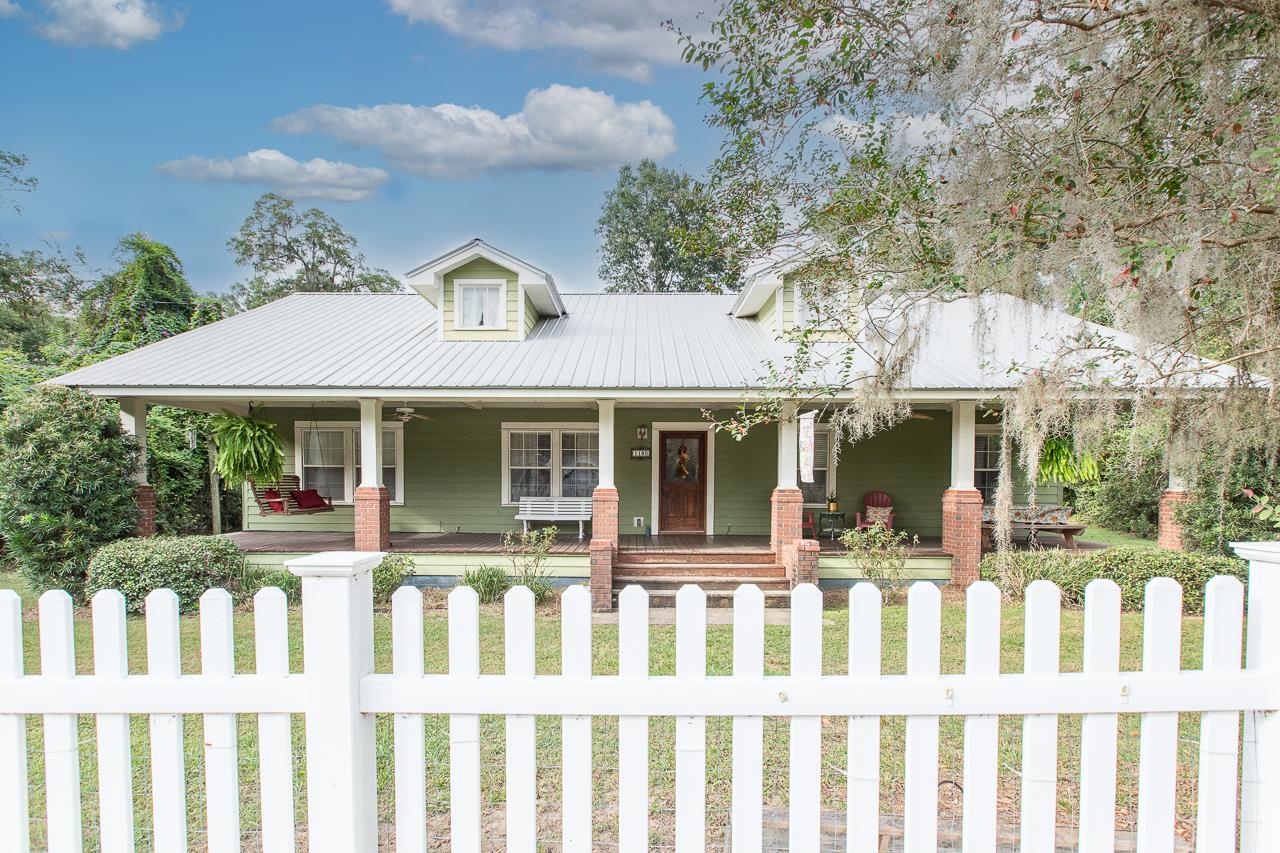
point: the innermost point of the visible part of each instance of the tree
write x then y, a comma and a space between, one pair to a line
66, 484
1120, 159
145, 300
37, 287
658, 234
294, 251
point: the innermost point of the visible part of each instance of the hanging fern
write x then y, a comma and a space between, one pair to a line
1059, 463
248, 449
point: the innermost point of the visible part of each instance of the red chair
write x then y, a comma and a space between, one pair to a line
807, 525
879, 500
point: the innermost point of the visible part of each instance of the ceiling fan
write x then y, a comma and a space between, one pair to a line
406, 413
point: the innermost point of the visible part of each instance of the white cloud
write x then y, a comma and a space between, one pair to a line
623, 37
559, 128
8, 7
281, 173
106, 23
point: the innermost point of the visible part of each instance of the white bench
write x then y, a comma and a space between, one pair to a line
555, 509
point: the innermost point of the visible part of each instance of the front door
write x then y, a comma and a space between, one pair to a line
682, 496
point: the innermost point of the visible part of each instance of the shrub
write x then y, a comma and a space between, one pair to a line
527, 554
255, 578
1126, 495
881, 555
188, 565
1130, 568
489, 582
1219, 512
389, 575
66, 484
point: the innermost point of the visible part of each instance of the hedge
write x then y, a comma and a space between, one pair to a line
1130, 568
188, 565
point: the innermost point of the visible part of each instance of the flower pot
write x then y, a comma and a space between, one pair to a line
832, 506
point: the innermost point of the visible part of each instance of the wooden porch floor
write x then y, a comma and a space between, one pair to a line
307, 542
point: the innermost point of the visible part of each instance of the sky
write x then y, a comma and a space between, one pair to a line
417, 124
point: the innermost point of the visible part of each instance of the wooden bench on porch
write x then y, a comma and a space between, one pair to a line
555, 509
1032, 521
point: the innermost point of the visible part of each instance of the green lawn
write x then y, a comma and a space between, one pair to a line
719, 659
1115, 537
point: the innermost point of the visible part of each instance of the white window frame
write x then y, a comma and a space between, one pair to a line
984, 430
829, 467
349, 429
556, 429
499, 284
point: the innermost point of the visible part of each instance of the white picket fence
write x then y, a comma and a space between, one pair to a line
339, 694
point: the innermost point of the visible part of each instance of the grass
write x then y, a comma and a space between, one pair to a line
605, 655
1115, 537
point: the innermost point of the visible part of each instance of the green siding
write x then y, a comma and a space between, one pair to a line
482, 268
789, 320
911, 462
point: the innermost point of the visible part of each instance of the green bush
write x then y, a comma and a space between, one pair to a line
489, 582
1126, 495
1130, 568
1219, 512
389, 575
188, 565
66, 484
255, 578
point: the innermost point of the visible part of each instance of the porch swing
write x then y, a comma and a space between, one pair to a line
287, 497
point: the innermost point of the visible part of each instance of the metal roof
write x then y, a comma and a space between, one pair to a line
629, 342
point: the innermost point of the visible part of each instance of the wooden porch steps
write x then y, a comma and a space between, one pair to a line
718, 573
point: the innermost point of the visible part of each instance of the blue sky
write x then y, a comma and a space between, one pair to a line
141, 116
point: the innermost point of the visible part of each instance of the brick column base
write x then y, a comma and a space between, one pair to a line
604, 515
602, 552
800, 558
962, 533
146, 510
785, 517
1169, 533
373, 518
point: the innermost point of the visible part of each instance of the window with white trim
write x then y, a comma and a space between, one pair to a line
821, 310
480, 304
824, 478
549, 461
986, 465
327, 458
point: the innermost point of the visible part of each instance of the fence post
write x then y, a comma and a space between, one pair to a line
337, 651
1260, 779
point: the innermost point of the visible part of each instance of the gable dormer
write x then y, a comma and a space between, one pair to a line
776, 299
484, 294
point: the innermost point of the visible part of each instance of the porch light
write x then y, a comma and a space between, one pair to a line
642, 432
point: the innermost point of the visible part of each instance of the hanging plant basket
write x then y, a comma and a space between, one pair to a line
249, 448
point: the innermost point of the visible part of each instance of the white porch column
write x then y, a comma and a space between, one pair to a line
370, 443
788, 447
963, 420
606, 408
133, 419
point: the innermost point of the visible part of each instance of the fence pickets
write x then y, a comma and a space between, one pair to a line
862, 695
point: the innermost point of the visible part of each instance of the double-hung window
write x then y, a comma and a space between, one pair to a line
824, 478
327, 458
481, 304
986, 465
549, 461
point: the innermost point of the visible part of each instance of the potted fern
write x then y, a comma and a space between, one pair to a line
249, 448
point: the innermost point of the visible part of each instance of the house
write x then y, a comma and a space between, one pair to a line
427, 415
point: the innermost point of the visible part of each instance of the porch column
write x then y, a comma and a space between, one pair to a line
604, 515
133, 419
961, 502
787, 500
372, 500
1168, 526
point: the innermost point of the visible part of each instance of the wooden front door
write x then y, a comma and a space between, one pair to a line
682, 482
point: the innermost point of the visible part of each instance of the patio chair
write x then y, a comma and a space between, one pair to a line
808, 525
877, 508
287, 497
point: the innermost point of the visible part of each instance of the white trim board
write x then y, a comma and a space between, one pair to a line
348, 452
655, 431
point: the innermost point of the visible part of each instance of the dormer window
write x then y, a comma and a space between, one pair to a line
481, 304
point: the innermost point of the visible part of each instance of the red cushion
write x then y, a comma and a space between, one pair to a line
308, 499
273, 500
